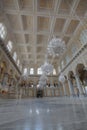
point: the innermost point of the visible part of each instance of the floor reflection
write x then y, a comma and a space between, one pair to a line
44, 114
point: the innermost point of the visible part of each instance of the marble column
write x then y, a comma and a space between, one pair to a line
45, 91
64, 89
52, 89
61, 93
5, 81
60, 89
78, 84
71, 87
35, 89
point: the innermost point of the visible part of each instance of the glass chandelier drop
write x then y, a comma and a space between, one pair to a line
47, 68
62, 78
42, 81
43, 77
56, 47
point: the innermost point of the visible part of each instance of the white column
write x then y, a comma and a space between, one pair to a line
45, 91
64, 89
60, 91
78, 84
1, 54
70, 88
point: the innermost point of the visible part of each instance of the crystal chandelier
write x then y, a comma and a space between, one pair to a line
42, 81
56, 47
43, 77
47, 68
62, 78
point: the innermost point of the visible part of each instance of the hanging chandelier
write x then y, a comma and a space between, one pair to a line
62, 78
43, 77
42, 81
56, 47
47, 68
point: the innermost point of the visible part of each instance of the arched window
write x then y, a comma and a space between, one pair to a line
39, 71
31, 70
9, 45
15, 56
54, 71
25, 71
2, 31
18, 62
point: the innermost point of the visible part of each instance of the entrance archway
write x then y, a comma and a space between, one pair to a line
72, 82
82, 74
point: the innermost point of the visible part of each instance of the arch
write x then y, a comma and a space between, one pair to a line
3, 66
82, 72
71, 75
79, 68
72, 81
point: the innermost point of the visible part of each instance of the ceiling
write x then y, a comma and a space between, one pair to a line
34, 22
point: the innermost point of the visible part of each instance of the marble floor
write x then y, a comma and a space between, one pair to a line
43, 114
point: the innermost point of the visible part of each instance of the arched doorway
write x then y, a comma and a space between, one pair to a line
3, 76
82, 74
72, 82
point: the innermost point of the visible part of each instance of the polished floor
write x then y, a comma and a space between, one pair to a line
43, 114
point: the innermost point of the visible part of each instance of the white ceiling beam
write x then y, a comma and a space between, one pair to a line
74, 35
64, 16
35, 31
74, 6
30, 33
53, 19
21, 22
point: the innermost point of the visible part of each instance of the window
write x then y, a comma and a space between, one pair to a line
54, 71
15, 56
25, 71
18, 62
9, 45
31, 70
2, 31
39, 71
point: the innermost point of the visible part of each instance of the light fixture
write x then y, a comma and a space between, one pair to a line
42, 81
62, 78
47, 68
56, 47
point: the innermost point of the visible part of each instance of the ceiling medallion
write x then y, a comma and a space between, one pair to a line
56, 47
